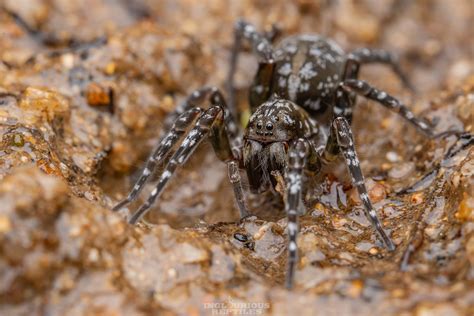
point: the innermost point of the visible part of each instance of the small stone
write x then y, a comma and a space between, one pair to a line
93, 255
398, 293
98, 95
89, 196
373, 251
466, 209
377, 192
67, 60
110, 68
392, 156
43, 104
167, 103
440, 309
5, 224
417, 198
401, 170
355, 288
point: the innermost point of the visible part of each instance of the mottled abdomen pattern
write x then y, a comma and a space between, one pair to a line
307, 71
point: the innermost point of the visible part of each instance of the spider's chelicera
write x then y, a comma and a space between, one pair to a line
302, 100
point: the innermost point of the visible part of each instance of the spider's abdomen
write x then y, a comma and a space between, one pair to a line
307, 71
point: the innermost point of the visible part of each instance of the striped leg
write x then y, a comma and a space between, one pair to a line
163, 149
180, 120
210, 123
235, 179
342, 135
261, 46
296, 162
207, 94
465, 140
363, 56
383, 98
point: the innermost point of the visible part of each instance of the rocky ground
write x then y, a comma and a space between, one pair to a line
85, 87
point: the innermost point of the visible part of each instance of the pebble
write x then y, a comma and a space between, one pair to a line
402, 170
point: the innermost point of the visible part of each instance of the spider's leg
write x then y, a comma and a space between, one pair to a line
464, 141
228, 150
210, 95
204, 126
363, 88
51, 39
341, 135
363, 56
163, 149
235, 179
273, 34
297, 156
261, 46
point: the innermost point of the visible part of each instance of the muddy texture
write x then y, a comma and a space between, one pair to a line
85, 87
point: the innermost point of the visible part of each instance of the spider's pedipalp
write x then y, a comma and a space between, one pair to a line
297, 156
163, 149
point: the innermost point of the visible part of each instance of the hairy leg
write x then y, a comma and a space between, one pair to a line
341, 140
164, 148
364, 56
363, 88
261, 46
297, 157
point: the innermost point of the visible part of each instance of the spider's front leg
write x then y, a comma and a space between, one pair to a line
341, 140
164, 148
210, 122
297, 157
184, 116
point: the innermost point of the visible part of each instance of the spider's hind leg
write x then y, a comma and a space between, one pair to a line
381, 97
262, 48
363, 56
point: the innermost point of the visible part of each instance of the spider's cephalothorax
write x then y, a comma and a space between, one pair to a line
301, 99
270, 131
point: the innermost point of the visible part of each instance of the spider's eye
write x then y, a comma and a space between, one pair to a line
259, 125
269, 126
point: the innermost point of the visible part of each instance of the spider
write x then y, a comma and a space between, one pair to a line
302, 100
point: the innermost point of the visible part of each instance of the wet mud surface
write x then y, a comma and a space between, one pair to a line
85, 88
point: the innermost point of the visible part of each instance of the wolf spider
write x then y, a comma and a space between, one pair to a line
302, 101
